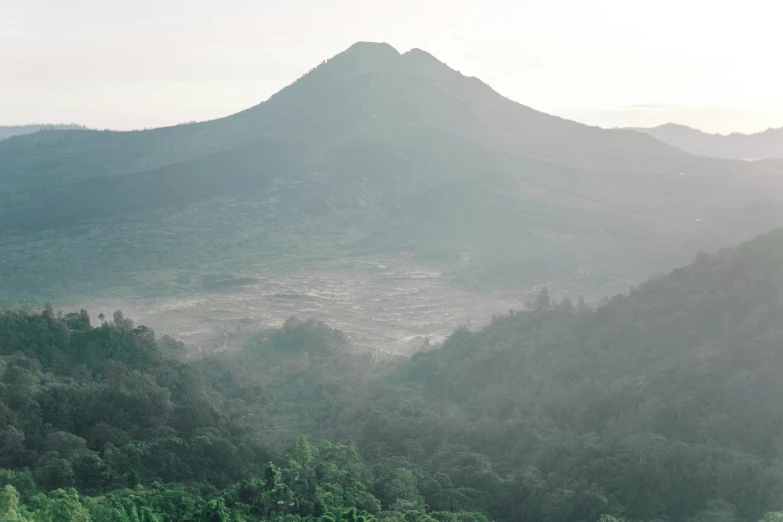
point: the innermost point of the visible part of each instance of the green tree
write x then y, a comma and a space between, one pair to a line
301, 453
63, 505
400, 491
543, 300
215, 511
9, 505
610, 518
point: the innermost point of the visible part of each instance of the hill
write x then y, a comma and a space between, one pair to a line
642, 408
6, 131
373, 152
761, 145
105, 424
658, 405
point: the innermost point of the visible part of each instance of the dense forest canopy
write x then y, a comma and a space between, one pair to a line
658, 405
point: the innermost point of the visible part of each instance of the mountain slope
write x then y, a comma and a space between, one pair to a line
652, 401
6, 131
372, 152
368, 88
767, 144
661, 404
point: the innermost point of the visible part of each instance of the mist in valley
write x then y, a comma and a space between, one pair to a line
368, 282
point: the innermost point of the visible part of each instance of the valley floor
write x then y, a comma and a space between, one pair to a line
387, 303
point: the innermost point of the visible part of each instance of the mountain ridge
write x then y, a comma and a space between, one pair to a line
7, 131
765, 144
66, 156
387, 152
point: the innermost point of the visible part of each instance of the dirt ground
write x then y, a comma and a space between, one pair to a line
387, 304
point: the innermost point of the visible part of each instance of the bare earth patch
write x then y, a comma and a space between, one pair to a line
385, 303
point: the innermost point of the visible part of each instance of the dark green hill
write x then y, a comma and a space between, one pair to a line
652, 401
108, 423
662, 404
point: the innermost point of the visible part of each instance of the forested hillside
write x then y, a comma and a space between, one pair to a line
658, 405
652, 406
104, 424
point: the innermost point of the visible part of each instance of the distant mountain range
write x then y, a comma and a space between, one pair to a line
372, 152
761, 145
6, 131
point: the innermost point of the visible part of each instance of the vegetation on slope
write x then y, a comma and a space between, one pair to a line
105, 424
652, 406
373, 151
659, 405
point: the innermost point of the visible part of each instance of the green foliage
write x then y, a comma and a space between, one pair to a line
400, 491
214, 511
64, 505
659, 404
610, 518
9, 505
577, 413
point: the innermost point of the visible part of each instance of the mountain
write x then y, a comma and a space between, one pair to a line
660, 404
13, 130
761, 145
373, 152
370, 90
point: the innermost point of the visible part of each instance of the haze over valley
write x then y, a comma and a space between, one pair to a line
388, 292
372, 153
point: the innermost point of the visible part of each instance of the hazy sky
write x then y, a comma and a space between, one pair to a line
713, 64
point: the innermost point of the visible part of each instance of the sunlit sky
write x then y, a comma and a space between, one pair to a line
711, 64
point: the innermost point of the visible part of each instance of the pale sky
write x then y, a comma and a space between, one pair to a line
711, 64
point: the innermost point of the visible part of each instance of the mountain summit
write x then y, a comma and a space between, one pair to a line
374, 152
369, 84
